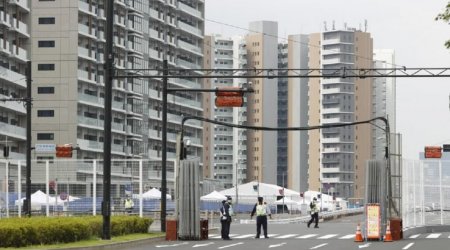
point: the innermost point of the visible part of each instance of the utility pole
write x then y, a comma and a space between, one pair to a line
109, 74
27, 204
164, 146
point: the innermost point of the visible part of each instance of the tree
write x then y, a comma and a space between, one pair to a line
445, 16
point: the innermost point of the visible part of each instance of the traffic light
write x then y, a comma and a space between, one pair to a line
229, 97
64, 151
301, 194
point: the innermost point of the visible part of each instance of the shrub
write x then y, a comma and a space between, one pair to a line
20, 232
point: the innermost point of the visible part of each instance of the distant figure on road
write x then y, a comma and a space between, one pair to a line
314, 213
226, 211
129, 205
262, 211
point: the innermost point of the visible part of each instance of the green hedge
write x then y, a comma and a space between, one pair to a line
20, 232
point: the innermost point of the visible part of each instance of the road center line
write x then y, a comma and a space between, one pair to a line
321, 245
414, 236
409, 245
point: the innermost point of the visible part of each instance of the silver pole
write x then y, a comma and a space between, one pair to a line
94, 188
19, 187
141, 202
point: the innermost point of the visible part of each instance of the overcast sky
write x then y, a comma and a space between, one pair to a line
407, 26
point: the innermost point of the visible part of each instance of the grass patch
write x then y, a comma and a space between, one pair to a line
96, 242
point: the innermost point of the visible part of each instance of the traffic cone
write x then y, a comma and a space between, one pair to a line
388, 236
358, 236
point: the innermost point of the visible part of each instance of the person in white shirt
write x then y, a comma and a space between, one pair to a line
314, 213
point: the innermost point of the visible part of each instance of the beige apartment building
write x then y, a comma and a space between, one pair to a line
336, 157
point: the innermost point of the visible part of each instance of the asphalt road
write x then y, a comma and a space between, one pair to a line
331, 235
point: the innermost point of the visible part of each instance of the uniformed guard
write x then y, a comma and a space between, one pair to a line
314, 213
262, 211
129, 205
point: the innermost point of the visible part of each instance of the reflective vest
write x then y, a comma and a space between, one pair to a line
261, 210
129, 203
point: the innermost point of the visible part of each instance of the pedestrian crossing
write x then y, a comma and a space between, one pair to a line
289, 236
327, 236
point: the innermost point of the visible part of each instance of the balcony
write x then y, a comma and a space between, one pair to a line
187, 64
13, 77
331, 150
190, 47
20, 54
331, 110
20, 27
188, 83
98, 146
189, 10
13, 131
154, 54
331, 91
84, 7
23, 4
331, 120
120, 21
86, 76
14, 106
4, 47
191, 29
86, 31
4, 19
329, 170
87, 54
331, 180
331, 140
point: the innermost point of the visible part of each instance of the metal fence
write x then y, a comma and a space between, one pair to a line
426, 193
67, 187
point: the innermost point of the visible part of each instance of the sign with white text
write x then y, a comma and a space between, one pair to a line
45, 148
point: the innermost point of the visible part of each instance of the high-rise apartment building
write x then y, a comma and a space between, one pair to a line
224, 147
282, 137
298, 114
336, 156
68, 44
14, 54
384, 103
262, 105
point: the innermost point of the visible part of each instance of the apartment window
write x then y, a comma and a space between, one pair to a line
45, 136
46, 20
46, 44
46, 113
46, 90
46, 67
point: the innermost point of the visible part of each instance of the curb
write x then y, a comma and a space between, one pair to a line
119, 245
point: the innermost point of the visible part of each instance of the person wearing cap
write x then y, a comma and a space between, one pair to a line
225, 219
262, 211
314, 213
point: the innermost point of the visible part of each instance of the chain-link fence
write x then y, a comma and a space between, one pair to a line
426, 193
70, 187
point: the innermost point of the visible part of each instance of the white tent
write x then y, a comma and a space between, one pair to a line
153, 193
40, 198
213, 196
249, 192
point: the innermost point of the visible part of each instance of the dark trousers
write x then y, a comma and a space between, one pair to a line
314, 217
261, 221
225, 230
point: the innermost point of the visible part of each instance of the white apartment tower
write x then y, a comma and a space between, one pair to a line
68, 43
224, 150
14, 54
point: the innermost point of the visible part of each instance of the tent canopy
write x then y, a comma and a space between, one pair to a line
213, 196
153, 193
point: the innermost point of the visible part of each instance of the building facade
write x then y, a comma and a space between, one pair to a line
68, 43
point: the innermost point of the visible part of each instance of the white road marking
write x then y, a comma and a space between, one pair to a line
202, 245
348, 236
277, 245
321, 245
364, 246
220, 236
244, 236
286, 236
272, 235
173, 245
433, 236
414, 236
306, 236
409, 245
328, 236
232, 245
212, 235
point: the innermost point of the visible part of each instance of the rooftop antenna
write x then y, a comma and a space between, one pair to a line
345, 26
360, 27
333, 25
325, 25
365, 25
